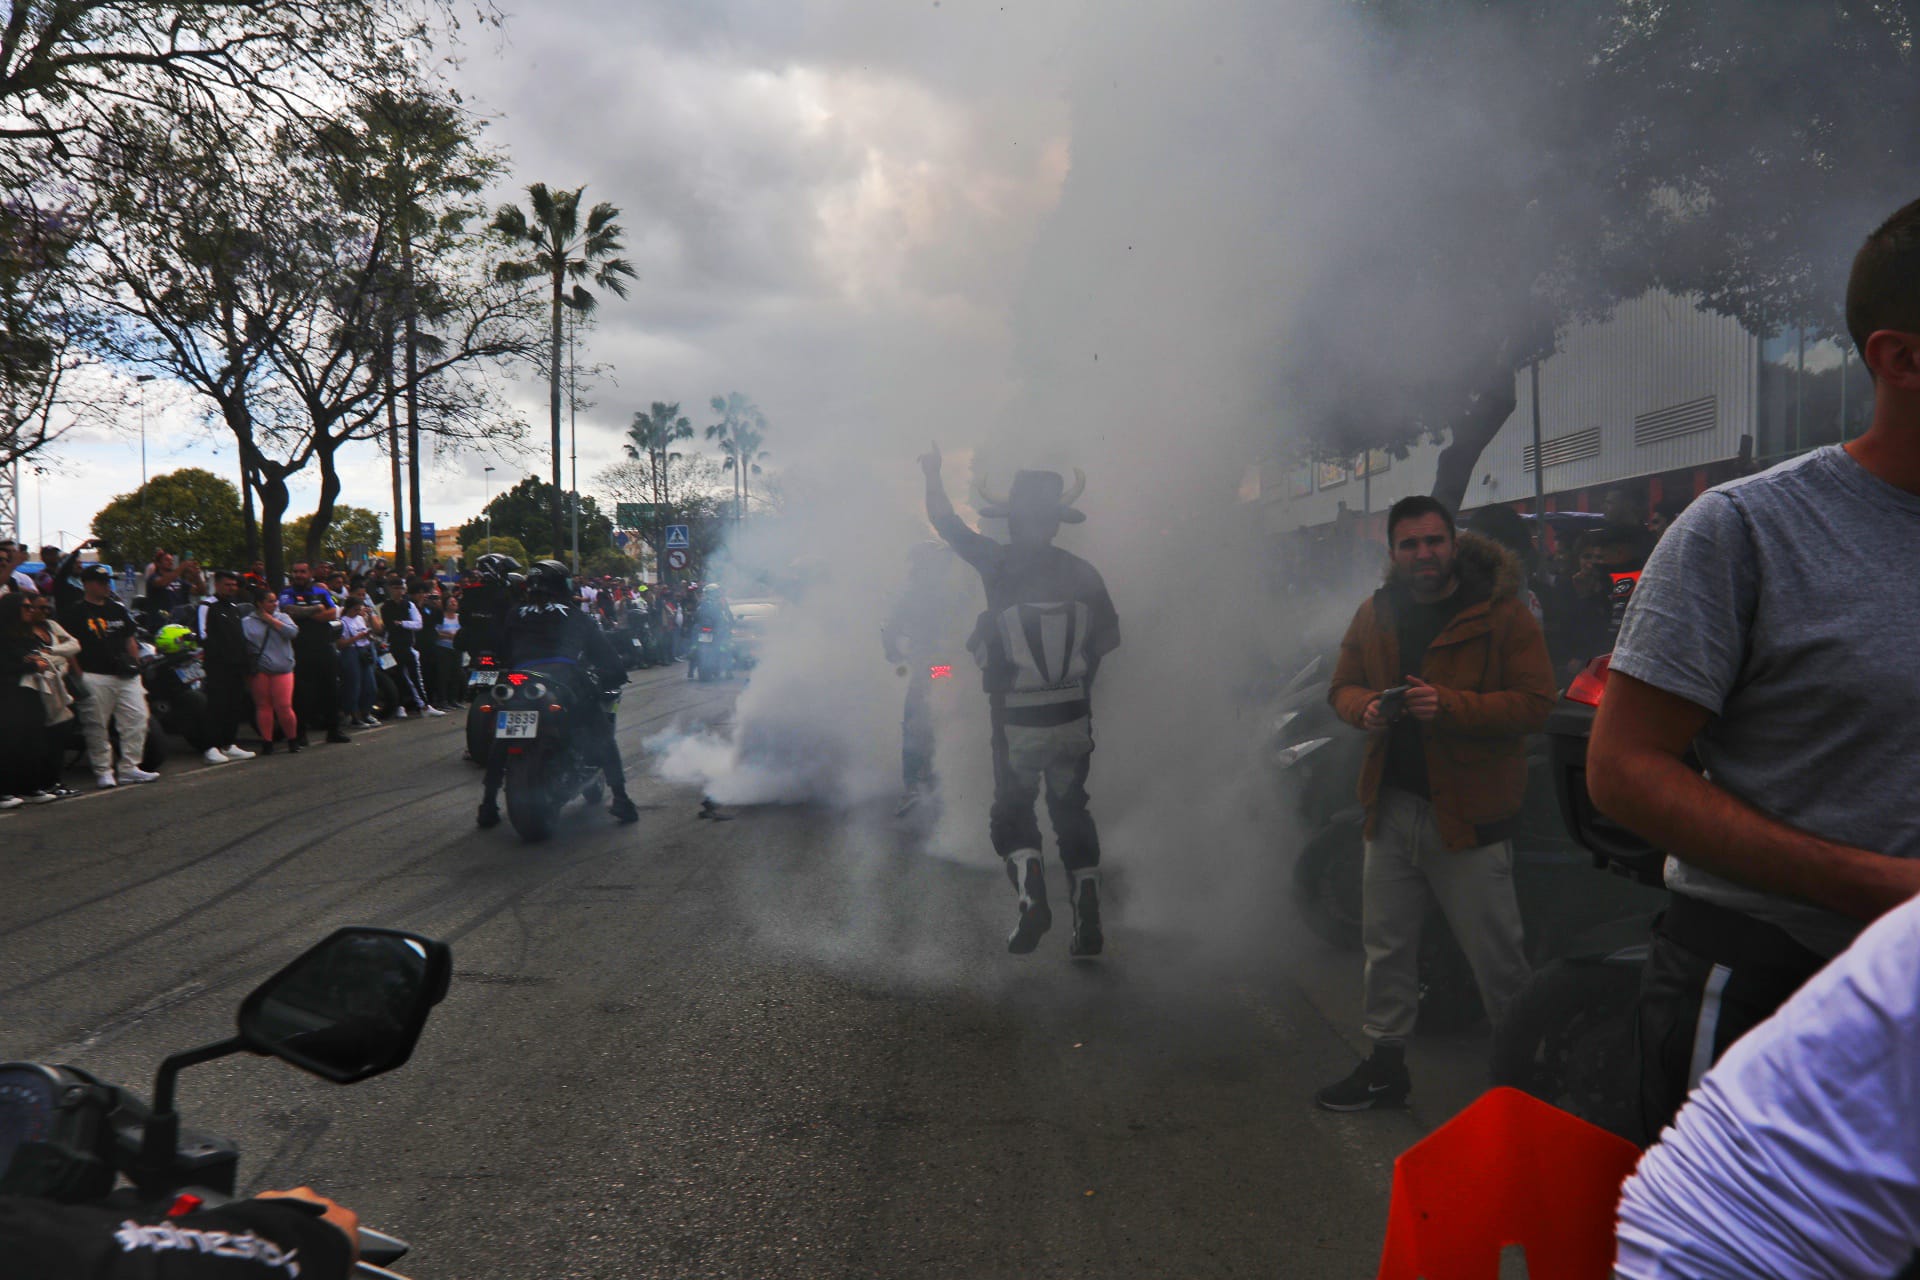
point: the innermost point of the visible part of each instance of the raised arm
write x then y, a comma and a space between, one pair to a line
969, 544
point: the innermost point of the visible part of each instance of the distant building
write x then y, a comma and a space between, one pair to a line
1662, 394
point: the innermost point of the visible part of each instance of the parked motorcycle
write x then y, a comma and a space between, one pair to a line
1569, 1037
534, 713
1560, 904
350, 1008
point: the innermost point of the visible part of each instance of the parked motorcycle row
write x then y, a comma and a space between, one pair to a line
1588, 892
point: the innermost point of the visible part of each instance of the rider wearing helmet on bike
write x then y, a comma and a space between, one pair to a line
277, 1235
548, 629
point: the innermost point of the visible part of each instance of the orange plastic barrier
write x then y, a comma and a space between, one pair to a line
1510, 1169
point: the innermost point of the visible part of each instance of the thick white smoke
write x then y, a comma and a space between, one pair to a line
1212, 165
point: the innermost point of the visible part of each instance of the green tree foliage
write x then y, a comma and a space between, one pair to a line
505, 546
190, 512
523, 513
609, 563
350, 527
560, 248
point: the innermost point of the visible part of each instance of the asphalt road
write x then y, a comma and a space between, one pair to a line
789, 1044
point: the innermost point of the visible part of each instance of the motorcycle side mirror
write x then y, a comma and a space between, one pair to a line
352, 1007
1301, 677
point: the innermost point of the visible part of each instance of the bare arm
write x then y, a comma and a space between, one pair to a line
1637, 776
969, 544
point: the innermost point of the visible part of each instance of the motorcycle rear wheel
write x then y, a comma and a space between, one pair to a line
479, 732
1568, 1040
1326, 885
530, 806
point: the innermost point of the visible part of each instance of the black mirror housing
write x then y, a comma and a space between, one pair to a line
352, 1006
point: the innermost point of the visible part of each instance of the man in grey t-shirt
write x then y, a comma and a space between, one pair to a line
1770, 631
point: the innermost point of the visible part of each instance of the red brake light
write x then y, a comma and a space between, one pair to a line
1591, 684
517, 678
486, 659
941, 673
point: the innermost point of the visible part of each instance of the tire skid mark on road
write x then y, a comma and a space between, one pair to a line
113, 1026
173, 922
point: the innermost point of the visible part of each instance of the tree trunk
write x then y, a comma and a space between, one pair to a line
1472, 431
393, 454
273, 505
246, 511
553, 386
420, 556
323, 512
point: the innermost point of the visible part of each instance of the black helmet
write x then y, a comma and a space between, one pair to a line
550, 578
495, 566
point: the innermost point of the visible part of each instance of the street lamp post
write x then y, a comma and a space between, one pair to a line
487, 473
141, 382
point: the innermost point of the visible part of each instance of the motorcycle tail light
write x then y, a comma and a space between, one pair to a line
553, 706
517, 679
941, 673
1591, 684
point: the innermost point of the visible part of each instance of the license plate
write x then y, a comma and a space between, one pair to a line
516, 724
706, 639
479, 678
191, 672
388, 662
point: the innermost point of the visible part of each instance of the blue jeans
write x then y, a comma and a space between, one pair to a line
357, 683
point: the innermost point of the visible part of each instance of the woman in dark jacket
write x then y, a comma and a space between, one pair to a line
36, 714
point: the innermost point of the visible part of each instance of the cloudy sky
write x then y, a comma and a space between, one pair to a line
816, 195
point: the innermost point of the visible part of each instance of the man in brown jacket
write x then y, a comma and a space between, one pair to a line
1447, 670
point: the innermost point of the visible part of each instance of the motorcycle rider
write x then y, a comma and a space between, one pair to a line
713, 611
276, 1235
549, 631
922, 627
1048, 625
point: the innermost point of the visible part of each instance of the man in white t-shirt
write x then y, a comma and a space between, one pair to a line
1797, 1157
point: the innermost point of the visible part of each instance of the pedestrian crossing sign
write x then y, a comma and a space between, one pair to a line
677, 539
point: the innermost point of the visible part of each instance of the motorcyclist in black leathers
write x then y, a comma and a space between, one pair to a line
484, 605
274, 1236
549, 632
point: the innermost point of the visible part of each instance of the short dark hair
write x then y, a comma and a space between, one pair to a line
225, 574
1413, 508
1883, 290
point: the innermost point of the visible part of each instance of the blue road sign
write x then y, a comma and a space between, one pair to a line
677, 539
620, 540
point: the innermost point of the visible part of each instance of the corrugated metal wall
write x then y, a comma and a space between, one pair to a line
1657, 353
1654, 361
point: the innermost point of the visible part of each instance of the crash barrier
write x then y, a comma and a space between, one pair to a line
1509, 1170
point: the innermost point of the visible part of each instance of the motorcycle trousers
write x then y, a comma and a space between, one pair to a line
1025, 757
916, 733
1712, 974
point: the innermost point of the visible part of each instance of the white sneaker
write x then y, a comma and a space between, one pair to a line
133, 773
104, 781
214, 755
11, 802
434, 711
399, 713
237, 752
40, 797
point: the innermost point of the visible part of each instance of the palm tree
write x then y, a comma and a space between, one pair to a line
741, 431
562, 250
650, 440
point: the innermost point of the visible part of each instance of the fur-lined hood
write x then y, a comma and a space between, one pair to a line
1487, 570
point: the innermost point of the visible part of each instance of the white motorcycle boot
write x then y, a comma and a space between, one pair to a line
1027, 870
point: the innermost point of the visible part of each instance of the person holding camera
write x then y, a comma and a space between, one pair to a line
1446, 669
272, 643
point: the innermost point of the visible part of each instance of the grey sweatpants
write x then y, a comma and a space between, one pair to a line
1408, 867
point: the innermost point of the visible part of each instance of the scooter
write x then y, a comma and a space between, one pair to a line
352, 1007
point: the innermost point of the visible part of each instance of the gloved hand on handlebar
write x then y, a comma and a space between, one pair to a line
275, 1236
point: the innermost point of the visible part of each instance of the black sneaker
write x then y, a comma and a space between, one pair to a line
489, 815
1035, 916
1379, 1081
336, 736
1087, 939
623, 811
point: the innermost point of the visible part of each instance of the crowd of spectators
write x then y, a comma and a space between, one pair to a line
333, 650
